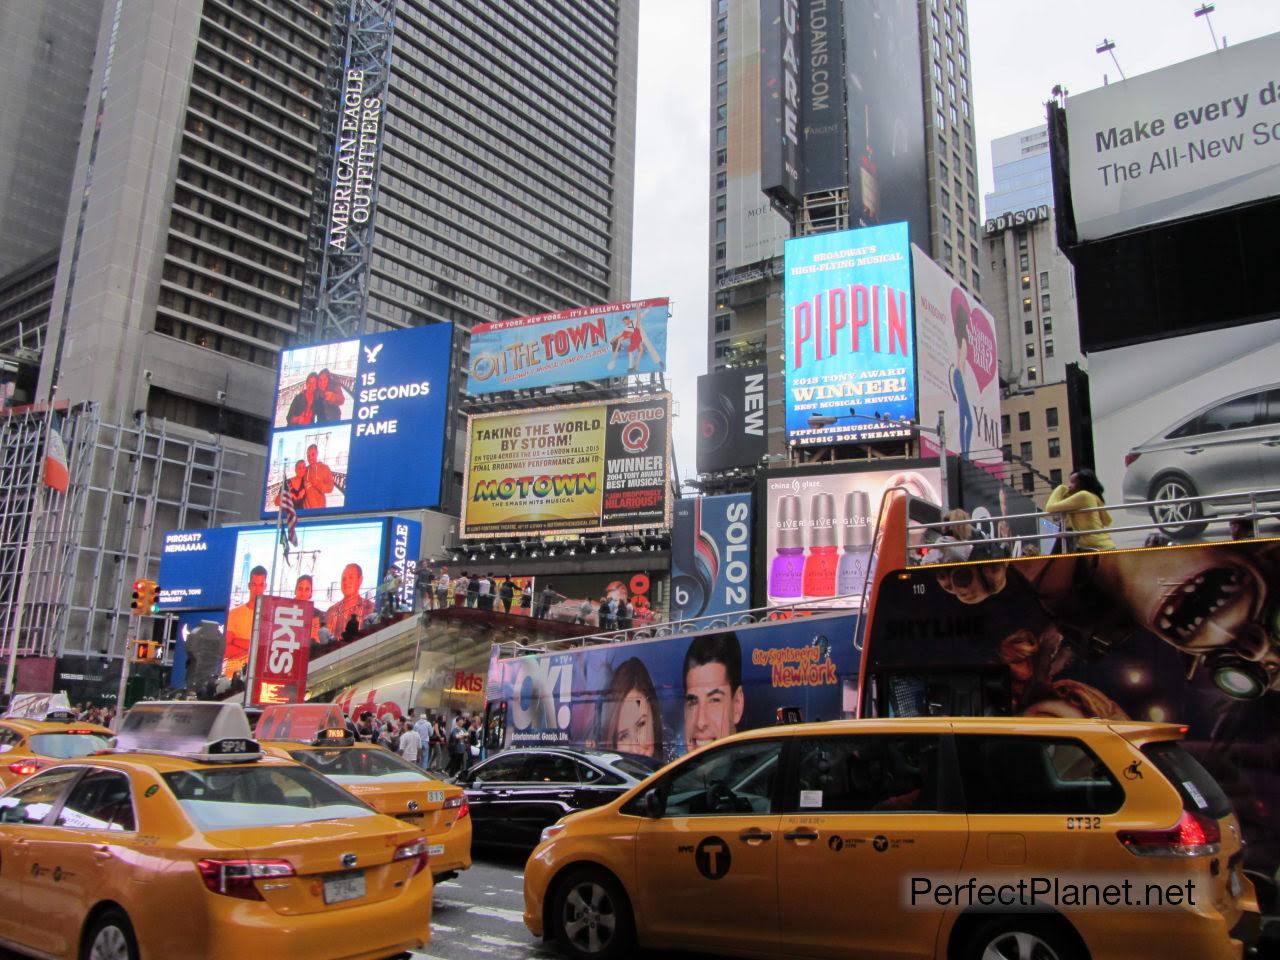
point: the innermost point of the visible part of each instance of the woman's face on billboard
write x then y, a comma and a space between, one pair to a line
635, 725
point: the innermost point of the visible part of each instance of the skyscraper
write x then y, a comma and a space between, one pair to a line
1020, 171
887, 135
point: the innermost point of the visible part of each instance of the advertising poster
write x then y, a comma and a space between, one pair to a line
578, 467
359, 425
1194, 137
711, 556
957, 350
284, 643
1181, 635
732, 427
820, 527
849, 334
195, 569
823, 118
1195, 415
588, 343
654, 697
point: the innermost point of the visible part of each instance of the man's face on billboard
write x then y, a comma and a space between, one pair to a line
313, 454
303, 590
257, 584
351, 580
712, 708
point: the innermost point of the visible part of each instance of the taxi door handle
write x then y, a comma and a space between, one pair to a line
20, 843
755, 835
103, 854
801, 835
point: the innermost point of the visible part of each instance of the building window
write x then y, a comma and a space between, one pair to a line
945, 196
937, 72
722, 27
1024, 420
1026, 282
723, 349
955, 117
721, 203
977, 280
1044, 279
722, 180
951, 88
722, 92
941, 119
722, 323
1004, 423
1031, 374
1031, 349
722, 70
964, 107
951, 65
942, 169
1055, 447
722, 48
1028, 327
1051, 418
719, 251
937, 49
722, 157
1006, 452
1048, 324
1028, 483
720, 229
1048, 348
951, 44
933, 19
946, 225
1022, 239
1026, 304
722, 136
1044, 301
1024, 262
946, 251
1055, 476
1024, 449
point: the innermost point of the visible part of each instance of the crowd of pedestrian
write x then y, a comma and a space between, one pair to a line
428, 740
438, 589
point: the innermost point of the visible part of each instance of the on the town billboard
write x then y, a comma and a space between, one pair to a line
572, 346
575, 467
359, 425
849, 334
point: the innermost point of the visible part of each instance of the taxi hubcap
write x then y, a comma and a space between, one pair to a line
589, 917
1018, 946
109, 944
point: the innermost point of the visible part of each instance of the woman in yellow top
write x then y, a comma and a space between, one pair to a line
1082, 491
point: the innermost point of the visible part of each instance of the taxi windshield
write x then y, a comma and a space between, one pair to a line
217, 798
360, 765
65, 746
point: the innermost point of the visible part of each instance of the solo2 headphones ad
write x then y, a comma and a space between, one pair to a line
711, 556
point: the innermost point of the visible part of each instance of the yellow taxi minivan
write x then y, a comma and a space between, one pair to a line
952, 839
187, 842
313, 734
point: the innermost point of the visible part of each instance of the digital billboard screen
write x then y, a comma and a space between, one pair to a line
732, 428
576, 467
588, 343
359, 425
849, 333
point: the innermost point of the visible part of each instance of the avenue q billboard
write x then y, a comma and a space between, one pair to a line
359, 424
576, 467
588, 343
1195, 137
849, 333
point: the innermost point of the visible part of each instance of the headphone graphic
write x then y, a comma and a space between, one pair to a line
699, 563
715, 420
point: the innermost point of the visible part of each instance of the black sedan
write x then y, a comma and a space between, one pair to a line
517, 793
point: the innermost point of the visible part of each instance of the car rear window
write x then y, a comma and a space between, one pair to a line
351, 766
1023, 774
1199, 791
216, 798
66, 746
634, 768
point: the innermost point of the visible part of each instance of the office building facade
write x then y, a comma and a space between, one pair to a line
888, 136
1021, 178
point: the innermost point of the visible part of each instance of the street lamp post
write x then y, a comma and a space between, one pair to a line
819, 420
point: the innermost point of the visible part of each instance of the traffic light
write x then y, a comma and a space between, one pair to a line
144, 598
147, 651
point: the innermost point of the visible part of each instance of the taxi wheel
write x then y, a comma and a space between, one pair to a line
110, 937
592, 917
1024, 938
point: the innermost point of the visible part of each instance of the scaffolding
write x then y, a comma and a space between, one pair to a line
88, 543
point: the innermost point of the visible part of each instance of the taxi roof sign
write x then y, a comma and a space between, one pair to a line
209, 732
40, 706
306, 722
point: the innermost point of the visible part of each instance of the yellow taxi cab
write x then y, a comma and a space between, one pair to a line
27, 746
314, 734
954, 839
190, 843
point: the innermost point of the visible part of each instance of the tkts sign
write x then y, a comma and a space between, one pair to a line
283, 646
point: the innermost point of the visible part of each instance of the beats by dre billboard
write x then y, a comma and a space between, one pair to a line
711, 556
731, 419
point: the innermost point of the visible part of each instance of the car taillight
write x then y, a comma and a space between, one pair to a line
460, 804
24, 768
416, 851
235, 878
1131, 456
1194, 835
85, 732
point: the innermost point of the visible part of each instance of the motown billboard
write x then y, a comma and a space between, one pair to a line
576, 467
588, 343
358, 425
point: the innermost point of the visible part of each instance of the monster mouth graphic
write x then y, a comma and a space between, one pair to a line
1185, 609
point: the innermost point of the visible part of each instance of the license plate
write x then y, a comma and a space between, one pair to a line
435, 796
416, 819
435, 850
339, 887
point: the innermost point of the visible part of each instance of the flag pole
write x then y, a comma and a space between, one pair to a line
252, 664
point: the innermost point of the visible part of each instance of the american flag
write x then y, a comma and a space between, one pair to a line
288, 517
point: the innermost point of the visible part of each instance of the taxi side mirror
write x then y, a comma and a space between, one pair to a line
654, 804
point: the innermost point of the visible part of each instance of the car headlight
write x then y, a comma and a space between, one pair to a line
550, 832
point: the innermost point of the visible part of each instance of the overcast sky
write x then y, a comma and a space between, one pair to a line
1020, 49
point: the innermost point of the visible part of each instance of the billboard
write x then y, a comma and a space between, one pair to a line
731, 418
575, 467
711, 556
754, 231
819, 529
780, 42
576, 598
1194, 415
572, 346
284, 644
359, 425
849, 334
1194, 137
822, 108
195, 569
809, 664
888, 177
958, 353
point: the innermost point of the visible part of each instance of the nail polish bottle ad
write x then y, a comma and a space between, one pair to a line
855, 561
820, 565
787, 569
